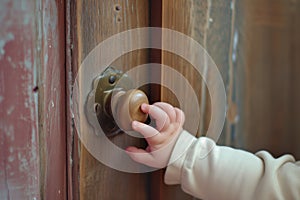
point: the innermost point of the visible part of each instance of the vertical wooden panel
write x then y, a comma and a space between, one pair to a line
175, 15
32, 125
72, 139
255, 46
51, 90
271, 42
295, 80
18, 127
209, 23
92, 22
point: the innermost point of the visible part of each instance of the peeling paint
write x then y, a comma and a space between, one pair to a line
21, 7
46, 58
27, 64
23, 165
12, 64
5, 39
10, 110
31, 29
11, 158
34, 150
8, 130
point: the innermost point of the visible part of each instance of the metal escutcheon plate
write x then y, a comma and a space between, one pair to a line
99, 99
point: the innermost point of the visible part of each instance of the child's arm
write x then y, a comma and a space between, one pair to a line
227, 173
208, 171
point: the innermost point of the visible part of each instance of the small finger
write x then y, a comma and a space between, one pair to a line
148, 149
169, 109
140, 155
160, 116
146, 130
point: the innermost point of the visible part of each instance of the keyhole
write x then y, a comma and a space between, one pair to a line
112, 79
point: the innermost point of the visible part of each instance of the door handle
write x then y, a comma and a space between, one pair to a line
116, 102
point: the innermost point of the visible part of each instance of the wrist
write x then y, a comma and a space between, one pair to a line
178, 156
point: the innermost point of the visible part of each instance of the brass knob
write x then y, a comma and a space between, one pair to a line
126, 107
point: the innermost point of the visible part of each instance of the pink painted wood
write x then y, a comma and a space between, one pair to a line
32, 100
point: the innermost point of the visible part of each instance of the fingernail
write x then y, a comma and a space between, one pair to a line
144, 106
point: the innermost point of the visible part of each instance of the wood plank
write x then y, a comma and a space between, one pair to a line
295, 80
243, 39
32, 111
94, 21
175, 15
209, 23
51, 94
271, 42
72, 137
19, 128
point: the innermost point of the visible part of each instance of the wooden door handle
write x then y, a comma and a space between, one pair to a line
126, 107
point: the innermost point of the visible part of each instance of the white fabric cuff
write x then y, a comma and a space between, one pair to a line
178, 156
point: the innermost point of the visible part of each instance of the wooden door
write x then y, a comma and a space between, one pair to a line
254, 43
96, 21
228, 30
32, 100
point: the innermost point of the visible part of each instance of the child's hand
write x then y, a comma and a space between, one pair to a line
161, 140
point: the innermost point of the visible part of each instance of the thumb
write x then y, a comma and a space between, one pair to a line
140, 155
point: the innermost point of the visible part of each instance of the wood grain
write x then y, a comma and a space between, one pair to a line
32, 126
271, 45
51, 90
95, 21
255, 46
19, 168
209, 23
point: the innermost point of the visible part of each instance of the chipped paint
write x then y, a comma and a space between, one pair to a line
11, 158
28, 64
11, 62
52, 104
8, 130
5, 39
32, 56
23, 162
51, 83
17, 45
10, 110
